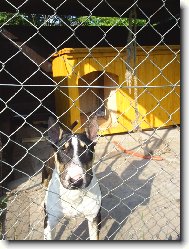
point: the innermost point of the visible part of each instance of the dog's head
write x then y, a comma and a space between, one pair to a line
74, 153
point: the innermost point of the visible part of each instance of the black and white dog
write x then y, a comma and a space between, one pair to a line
72, 187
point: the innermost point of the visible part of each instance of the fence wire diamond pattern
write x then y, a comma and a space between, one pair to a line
119, 62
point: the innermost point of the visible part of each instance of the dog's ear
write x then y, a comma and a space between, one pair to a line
92, 128
54, 130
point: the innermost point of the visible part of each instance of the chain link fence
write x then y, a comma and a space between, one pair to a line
70, 60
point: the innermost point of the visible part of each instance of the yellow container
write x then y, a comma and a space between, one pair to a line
118, 108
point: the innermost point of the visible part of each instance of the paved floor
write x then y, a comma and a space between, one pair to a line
141, 197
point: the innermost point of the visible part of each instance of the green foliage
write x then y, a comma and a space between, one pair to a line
54, 20
107, 21
3, 202
11, 19
30, 19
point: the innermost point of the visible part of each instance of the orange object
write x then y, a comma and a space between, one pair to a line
133, 153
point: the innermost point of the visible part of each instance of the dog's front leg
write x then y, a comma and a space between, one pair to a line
49, 231
94, 227
49, 226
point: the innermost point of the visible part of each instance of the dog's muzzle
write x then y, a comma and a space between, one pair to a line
75, 176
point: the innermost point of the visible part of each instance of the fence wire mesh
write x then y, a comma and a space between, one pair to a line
125, 69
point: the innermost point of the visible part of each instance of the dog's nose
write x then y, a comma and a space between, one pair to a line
76, 183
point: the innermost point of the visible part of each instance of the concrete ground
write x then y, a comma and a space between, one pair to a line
141, 197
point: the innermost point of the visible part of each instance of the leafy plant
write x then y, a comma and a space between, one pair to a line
3, 204
107, 21
54, 20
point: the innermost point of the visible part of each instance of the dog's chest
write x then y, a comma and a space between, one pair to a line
72, 203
